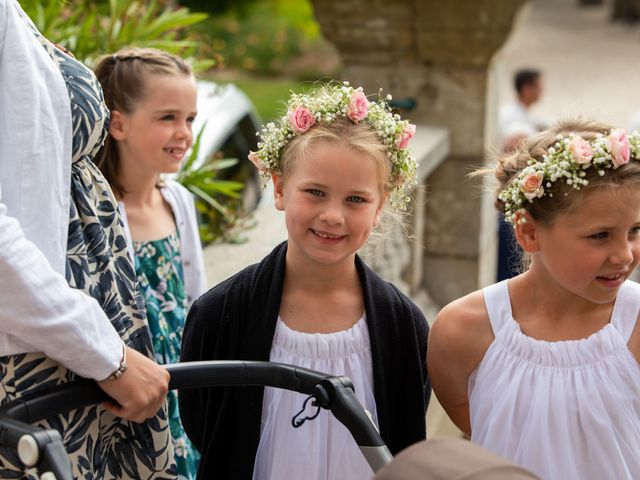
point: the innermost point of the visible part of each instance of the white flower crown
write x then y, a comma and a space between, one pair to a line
567, 161
322, 107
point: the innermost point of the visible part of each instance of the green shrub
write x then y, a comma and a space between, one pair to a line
217, 200
92, 28
265, 36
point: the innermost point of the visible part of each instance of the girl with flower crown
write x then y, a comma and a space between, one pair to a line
335, 160
543, 368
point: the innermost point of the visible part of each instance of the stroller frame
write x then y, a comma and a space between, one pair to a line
44, 450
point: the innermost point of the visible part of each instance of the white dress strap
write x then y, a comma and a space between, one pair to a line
626, 309
498, 304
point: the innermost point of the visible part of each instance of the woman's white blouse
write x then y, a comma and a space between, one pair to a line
564, 410
38, 310
322, 448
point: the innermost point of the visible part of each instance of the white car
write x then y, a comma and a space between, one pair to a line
231, 123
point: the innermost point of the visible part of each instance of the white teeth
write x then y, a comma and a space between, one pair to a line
614, 277
325, 235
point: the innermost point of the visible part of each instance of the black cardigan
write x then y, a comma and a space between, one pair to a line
236, 321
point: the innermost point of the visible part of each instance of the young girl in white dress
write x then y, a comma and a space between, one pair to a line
543, 368
335, 160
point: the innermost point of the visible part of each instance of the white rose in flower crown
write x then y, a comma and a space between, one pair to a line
580, 150
531, 185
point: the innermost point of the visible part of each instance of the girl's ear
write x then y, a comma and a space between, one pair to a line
278, 186
118, 125
526, 231
376, 219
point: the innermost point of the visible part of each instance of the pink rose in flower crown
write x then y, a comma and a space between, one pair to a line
531, 185
580, 150
301, 119
358, 106
407, 134
255, 159
619, 147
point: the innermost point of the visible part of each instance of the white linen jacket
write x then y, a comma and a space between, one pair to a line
39, 312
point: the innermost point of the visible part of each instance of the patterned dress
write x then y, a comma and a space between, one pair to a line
99, 445
159, 269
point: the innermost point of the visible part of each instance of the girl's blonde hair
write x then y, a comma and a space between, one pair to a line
356, 136
559, 197
123, 76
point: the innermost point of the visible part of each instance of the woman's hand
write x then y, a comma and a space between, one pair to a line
140, 391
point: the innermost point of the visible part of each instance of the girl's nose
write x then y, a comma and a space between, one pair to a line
623, 254
332, 215
184, 131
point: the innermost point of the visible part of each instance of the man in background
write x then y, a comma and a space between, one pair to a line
515, 124
515, 121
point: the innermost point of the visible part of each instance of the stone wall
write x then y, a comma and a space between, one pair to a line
436, 52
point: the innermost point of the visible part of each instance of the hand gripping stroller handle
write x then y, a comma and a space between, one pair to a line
333, 393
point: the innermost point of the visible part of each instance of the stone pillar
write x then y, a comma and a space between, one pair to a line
436, 52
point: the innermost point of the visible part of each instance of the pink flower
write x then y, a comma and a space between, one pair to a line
407, 134
531, 185
619, 147
255, 159
358, 106
301, 119
580, 150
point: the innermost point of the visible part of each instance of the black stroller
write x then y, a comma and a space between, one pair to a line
43, 449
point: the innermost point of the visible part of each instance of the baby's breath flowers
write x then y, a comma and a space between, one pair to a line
323, 107
567, 160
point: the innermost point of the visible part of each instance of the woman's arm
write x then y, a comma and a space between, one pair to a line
458, 340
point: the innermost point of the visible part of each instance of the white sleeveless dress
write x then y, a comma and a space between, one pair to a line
323, 448
564, 410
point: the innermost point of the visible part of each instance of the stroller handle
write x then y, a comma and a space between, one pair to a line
333, 393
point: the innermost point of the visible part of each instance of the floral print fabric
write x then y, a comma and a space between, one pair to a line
159, 269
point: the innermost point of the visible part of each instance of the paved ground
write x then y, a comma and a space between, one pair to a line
591, 65
592, 69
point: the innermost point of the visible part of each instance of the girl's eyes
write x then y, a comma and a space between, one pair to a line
599, 236
351, 198
170, 117
635, 231
315, 192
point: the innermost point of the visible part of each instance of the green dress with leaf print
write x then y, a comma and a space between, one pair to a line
158, 267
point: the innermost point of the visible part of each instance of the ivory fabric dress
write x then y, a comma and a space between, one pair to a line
322, 448
564, 410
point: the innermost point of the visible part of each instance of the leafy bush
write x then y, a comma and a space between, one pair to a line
92, 28
217, 200
265, 36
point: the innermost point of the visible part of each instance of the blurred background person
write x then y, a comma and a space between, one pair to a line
515, 120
